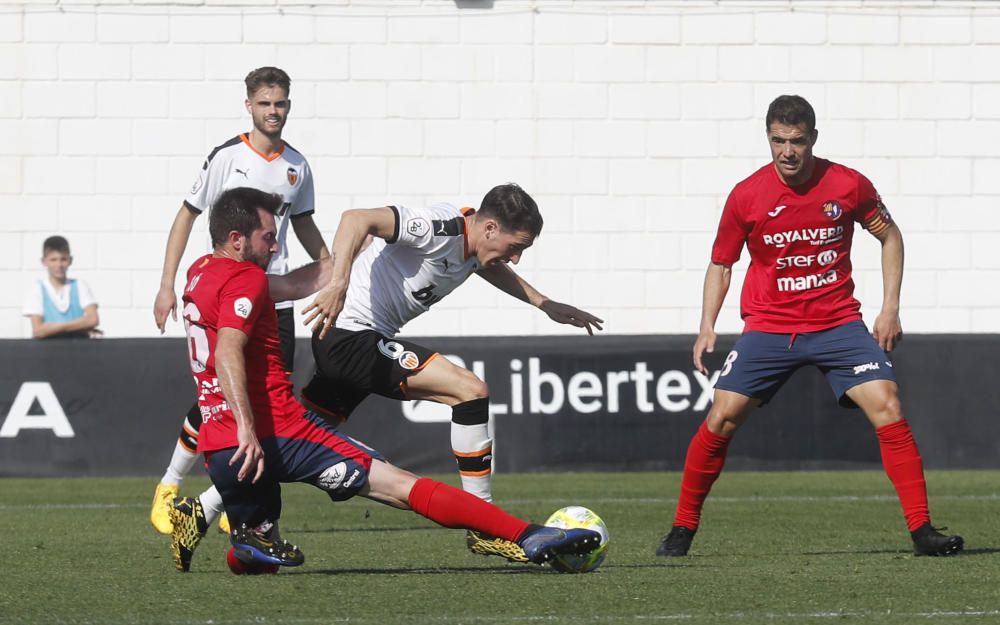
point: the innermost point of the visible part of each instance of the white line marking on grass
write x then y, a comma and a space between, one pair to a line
765, 499
71, 506
755, 617
599, 500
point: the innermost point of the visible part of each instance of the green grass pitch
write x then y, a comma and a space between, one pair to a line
781, 548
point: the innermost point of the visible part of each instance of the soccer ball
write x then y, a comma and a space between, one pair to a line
239, 567
579, 517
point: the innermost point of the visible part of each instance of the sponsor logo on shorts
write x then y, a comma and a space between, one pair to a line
815, 236
832, 210
804, 283
868, 366
417, 227
331, 478
351, 479
242, 307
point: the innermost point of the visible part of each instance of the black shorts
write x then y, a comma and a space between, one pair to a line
286, 332
350, 365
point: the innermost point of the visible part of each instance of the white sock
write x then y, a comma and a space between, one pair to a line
473, 450
180, 465
211, 504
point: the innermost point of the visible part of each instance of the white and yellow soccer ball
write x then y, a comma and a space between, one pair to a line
579, 517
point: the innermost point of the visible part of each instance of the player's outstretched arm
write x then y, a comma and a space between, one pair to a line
505, 279
230, 364
355, 227
888, 330
166, 300
717, 279
301, 282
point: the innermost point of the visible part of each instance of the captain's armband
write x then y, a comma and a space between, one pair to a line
879, 222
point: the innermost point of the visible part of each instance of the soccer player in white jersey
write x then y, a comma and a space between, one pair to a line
263, 160
418, 256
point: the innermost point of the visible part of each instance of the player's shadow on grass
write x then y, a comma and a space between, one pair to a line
331, 530
443, 570
980, 551
845, 552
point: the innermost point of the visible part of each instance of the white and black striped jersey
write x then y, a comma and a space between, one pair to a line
236, 163
396, 280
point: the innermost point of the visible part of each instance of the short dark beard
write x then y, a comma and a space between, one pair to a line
265, 132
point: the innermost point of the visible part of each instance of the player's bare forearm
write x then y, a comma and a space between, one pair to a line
887, 329
166, 301
717, 279
301, 282
310, 237
180, 232
230, 364
356, 226
506, 279
892, 268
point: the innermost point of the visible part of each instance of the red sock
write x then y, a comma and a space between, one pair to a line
705, 457
451, 507
905, 469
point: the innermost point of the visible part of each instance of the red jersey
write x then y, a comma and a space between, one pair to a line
799, 239
224, 293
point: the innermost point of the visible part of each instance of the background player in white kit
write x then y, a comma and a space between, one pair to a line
262, 160
418, 256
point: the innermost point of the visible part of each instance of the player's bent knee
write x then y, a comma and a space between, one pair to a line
472, 387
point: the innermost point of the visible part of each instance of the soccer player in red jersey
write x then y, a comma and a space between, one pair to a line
255, 434
796, 217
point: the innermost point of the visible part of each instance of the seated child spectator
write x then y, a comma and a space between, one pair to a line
60, 307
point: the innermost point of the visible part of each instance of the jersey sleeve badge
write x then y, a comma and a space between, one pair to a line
417, 227
243, 307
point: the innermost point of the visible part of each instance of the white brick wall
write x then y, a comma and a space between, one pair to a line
629, 122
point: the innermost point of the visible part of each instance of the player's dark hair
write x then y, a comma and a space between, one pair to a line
513, 209
55, 243
236, 209
791, 110
267, 76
